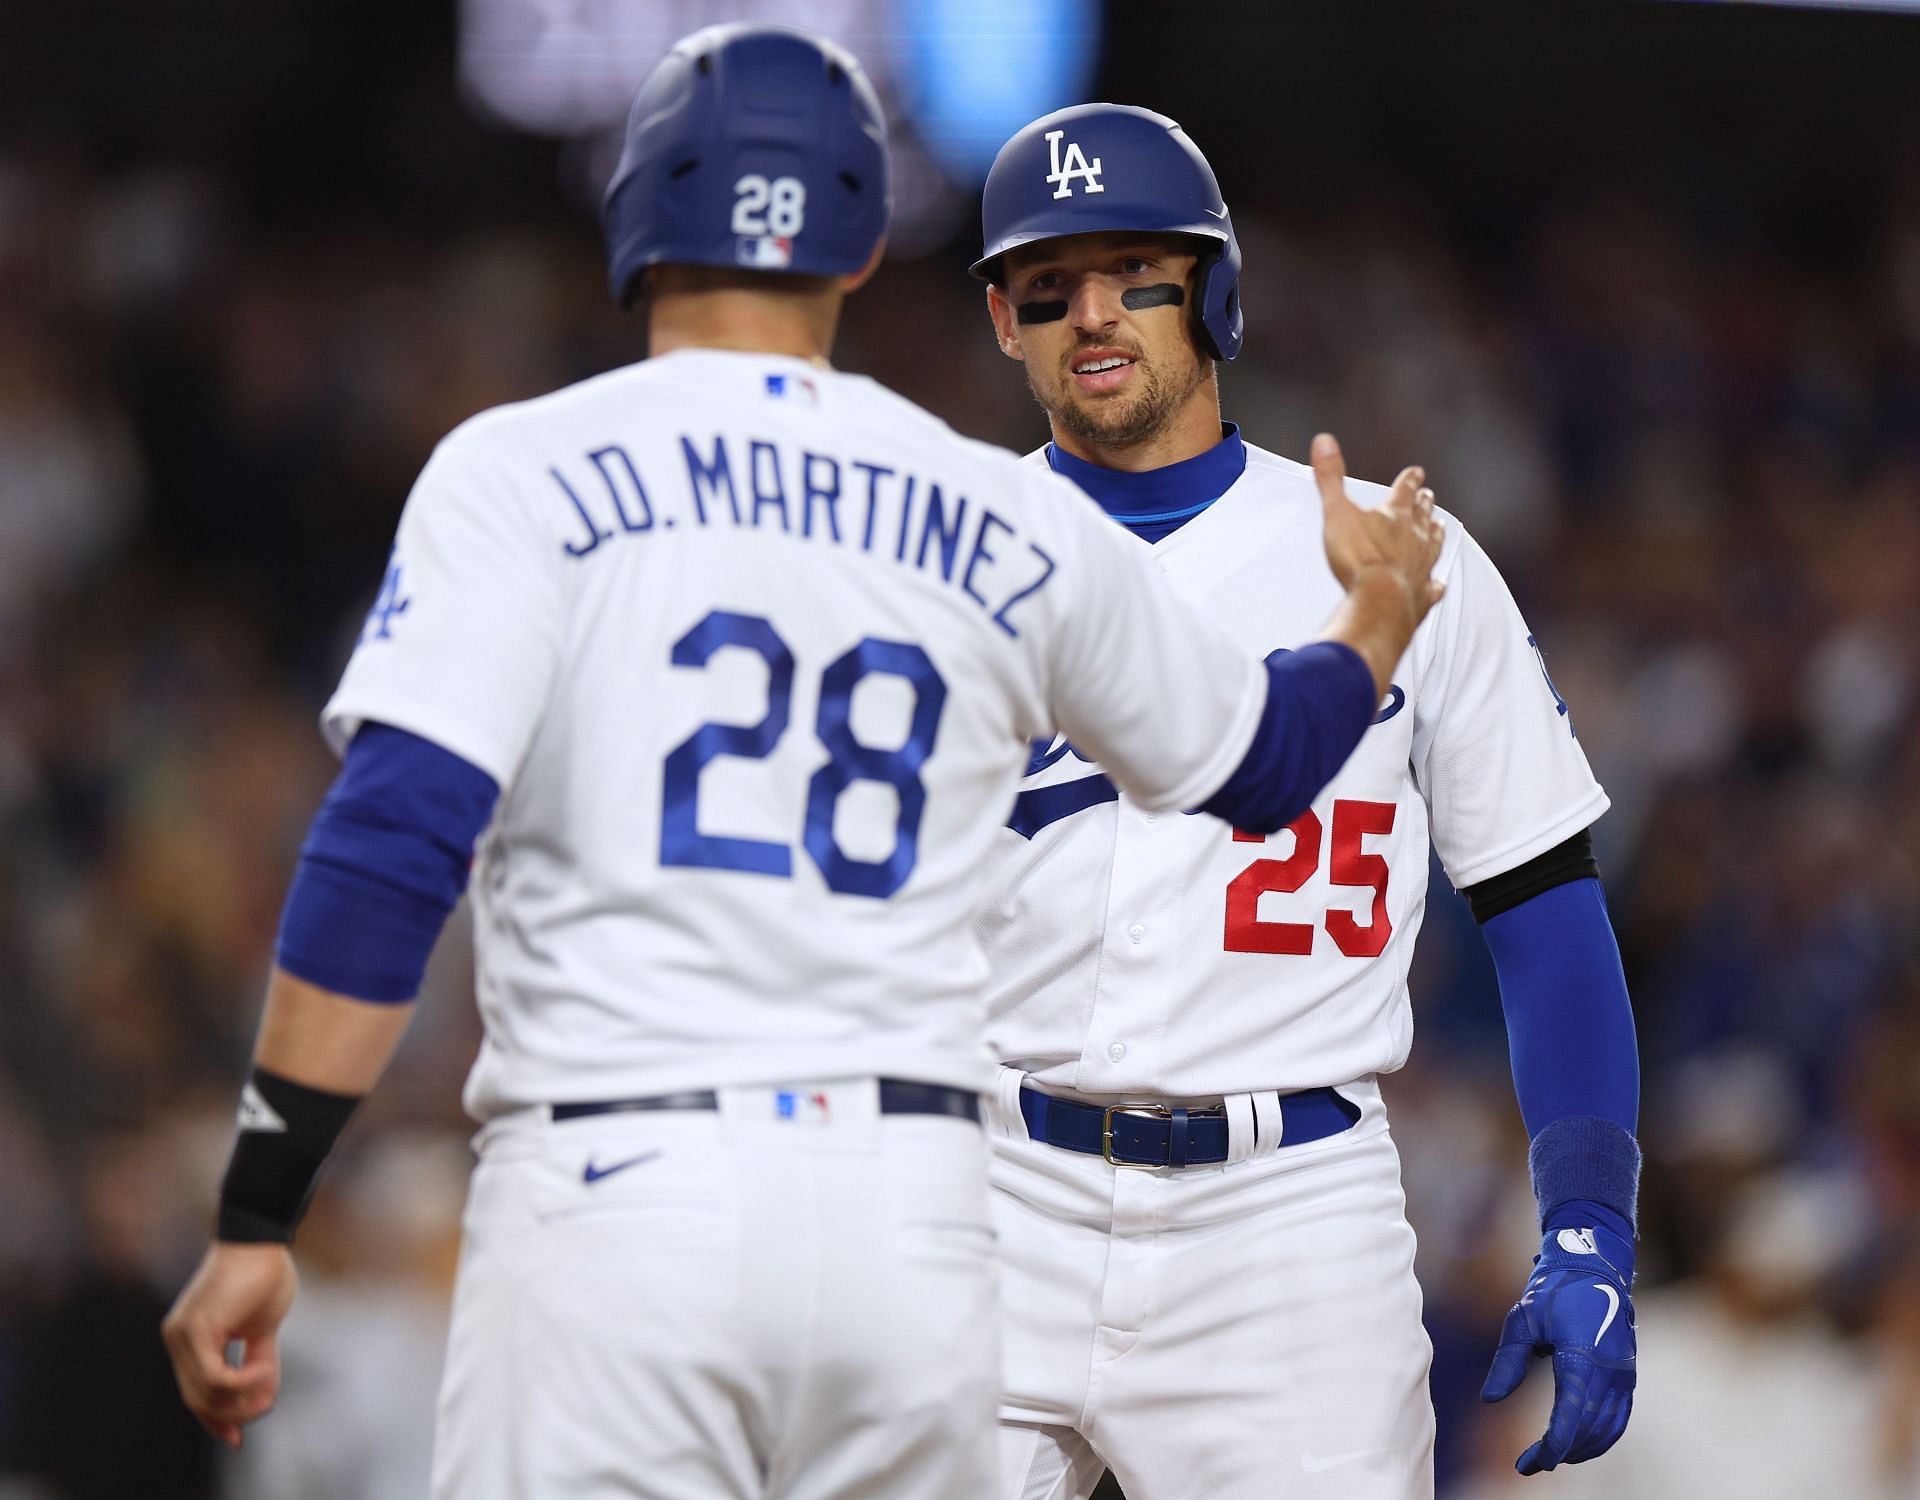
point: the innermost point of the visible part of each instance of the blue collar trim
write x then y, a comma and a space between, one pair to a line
1157, 497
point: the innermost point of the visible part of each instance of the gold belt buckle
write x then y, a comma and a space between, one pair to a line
1152, 1112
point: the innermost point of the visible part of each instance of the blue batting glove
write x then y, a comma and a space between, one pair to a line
1576, 1308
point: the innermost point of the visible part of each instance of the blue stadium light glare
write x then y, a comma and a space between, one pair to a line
975, 71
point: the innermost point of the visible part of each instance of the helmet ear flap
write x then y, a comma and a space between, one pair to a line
1217, 320
1203, 292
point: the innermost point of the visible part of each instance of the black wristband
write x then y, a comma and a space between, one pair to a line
286, 1131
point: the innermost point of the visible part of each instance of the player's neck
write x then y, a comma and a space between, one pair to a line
1194, 429
791, 323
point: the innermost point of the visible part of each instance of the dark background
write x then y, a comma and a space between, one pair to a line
1640, 284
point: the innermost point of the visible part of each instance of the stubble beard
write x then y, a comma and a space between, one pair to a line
1114, 424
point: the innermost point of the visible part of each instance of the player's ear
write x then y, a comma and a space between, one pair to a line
1006, 327
862, 276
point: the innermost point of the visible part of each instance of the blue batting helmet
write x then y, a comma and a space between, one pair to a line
760, 147
1097, 167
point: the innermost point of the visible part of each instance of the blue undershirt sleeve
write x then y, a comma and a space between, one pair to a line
1320, 700
384, 863
1576, 1064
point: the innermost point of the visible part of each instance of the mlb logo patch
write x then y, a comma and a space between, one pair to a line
803, 1109
794, 387
766, 252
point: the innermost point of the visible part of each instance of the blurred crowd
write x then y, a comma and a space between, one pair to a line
1694, 458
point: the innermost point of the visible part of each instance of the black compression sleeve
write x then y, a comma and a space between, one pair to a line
1560, 865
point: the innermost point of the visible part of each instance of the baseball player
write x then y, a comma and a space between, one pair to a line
1209, 1273
720, 669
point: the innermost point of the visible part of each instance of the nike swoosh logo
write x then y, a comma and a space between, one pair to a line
1613, 1306
594, 1174
1314, 1463
1218, 213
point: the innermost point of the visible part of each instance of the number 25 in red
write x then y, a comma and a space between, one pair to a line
1348, 864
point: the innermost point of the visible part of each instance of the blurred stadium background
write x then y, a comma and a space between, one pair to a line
1640, 284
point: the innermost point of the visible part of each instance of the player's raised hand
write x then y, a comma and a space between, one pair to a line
1578, 1310
1402, 537
1383, 558
240, 1292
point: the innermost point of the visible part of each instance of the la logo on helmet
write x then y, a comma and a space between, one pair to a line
1076, 165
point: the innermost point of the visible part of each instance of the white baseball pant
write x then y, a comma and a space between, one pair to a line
725, 1305
1247, 1331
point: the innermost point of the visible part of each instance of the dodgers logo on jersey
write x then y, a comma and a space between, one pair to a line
1075, 165
386, 605
1559, 703
1045, 755
1036, 807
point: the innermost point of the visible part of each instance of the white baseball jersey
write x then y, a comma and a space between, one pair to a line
1144, 953
754, 650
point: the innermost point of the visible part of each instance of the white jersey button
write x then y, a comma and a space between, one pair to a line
1137, 933
1117, 1051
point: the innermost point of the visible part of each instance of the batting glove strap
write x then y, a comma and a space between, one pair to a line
1586, 1248
1578, 1309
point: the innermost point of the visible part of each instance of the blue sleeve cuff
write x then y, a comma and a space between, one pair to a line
1586, 1171
384, 863
1320, 701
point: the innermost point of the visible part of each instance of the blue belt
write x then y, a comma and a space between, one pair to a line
1160, 1135
898, 1096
